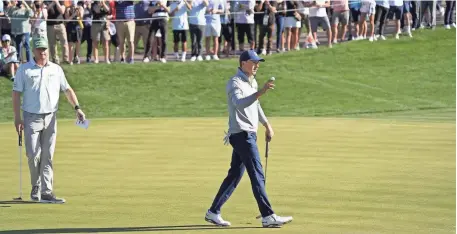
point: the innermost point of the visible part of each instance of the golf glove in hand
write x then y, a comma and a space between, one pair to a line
226, 138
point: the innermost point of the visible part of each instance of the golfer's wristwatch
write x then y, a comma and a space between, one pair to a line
77, 107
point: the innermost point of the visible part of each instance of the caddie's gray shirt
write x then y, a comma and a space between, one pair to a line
244, 109
40, 86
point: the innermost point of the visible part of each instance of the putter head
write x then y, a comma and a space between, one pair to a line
17, 199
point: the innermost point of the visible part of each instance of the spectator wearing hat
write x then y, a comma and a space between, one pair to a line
9, 62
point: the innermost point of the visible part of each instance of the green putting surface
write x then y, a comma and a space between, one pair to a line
334, 175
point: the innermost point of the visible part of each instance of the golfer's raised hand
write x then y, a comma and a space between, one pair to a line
19, 124
80, 115
267, 86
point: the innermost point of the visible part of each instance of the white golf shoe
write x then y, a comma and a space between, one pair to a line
275, 221
216, 219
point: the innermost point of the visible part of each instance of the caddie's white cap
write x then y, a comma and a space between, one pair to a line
6, 37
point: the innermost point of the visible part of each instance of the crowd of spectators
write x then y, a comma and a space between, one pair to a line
268, 25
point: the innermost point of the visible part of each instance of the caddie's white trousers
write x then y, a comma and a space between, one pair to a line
40, 132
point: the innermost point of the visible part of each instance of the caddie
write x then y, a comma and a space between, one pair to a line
39, 82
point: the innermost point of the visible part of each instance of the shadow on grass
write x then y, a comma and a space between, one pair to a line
17, 202
124, 229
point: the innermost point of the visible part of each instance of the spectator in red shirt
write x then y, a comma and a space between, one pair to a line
113, 32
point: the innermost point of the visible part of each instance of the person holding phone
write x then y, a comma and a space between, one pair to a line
38, 21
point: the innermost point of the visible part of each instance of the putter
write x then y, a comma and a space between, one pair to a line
20, 168
266, 167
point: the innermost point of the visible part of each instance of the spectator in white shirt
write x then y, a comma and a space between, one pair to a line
213, 27
178, 10
318, 16
244, 20
9, 62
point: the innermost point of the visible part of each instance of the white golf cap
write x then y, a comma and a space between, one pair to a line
6, 37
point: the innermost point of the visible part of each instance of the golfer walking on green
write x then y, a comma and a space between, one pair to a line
40, 82
244, 114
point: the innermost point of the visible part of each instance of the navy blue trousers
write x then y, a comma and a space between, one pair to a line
245, 156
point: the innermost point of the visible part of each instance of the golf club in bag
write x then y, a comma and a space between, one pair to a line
266, 167
20, 167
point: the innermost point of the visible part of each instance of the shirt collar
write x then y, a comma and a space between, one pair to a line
34, 63
243, 75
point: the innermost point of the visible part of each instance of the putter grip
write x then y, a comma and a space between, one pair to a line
266, 150
20, 139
